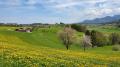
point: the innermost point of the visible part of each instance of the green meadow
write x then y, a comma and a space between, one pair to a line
43, 48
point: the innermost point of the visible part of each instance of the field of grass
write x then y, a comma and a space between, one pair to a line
105, 28
42, 48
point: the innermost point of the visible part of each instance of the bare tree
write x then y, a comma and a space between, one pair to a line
86, 41
67, 36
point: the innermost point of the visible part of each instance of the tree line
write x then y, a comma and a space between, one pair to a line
91, 38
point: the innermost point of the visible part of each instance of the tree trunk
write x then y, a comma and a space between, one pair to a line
67, 47
84, 47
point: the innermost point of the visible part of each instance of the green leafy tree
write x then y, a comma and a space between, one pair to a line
88, 32
114, 38
98, 39
80, 28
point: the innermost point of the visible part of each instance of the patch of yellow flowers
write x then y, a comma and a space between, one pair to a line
14, 56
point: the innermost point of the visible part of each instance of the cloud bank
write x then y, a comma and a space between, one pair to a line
67, 11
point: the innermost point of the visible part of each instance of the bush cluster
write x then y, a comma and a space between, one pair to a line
116, 48
114, 38
80, 28
98, 39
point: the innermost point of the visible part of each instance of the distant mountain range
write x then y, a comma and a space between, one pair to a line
107, 19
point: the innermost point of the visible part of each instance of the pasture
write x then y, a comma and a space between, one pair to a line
42, 48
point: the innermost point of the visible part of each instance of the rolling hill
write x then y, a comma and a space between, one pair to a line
42, 48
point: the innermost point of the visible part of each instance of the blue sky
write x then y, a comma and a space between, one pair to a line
52, 11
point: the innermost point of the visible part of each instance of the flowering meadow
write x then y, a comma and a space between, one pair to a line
42, 48
15, 56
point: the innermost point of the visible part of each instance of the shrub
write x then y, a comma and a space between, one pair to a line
79, 28
98, 39
118, 25
88, 32
114, 38
61, 23
67, 36
116, 48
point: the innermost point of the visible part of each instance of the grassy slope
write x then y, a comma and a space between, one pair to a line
105, 28
37, 38
44, 48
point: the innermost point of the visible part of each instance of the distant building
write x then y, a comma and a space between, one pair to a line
24, 30
28, 30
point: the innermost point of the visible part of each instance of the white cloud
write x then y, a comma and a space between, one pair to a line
69, 10
66, 5
71, 3
10, 2
31, 2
